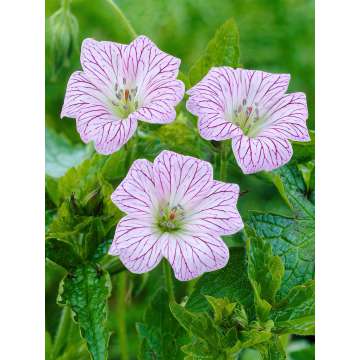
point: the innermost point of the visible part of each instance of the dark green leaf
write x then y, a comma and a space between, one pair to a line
86, 290
61, 253
61, 155
160, 333
231, 282
296, 313
222, 50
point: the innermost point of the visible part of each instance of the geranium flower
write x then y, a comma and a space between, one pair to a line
174, 210
251, 108
119, 85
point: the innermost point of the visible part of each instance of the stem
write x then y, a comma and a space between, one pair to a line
62, 331
66, 4
123, 19
168, 280
223, 162
121, 310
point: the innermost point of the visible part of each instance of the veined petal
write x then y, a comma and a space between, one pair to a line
81, 94
287, 118
181, 179
216, 212
137, 245
107, 131
261, 153
136, 194
190, 255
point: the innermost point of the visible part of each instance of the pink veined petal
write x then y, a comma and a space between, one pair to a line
137, 245
262, 87
261, 153
136, 194
81, 94
216, 212
180, 179
190, 255
107, 131
102, 61
287, 118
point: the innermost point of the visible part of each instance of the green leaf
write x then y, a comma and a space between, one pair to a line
296, 313
61, 155
48, 346
222, 308
222, 50
160, 333
291, 238
230, 282
86, 290
272, 350
61, 253
304, 151
301, 350
198, 324
265, 274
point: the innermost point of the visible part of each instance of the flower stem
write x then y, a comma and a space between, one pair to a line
123, 19
62, 331
223, 161
121, 310
168, 280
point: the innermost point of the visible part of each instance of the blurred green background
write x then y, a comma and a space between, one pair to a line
275, 36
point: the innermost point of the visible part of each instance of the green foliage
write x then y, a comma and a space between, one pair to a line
230, 282
160, 332
222, 50
86, 291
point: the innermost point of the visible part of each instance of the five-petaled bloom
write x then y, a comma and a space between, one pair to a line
119, 85
251, 108
174, 210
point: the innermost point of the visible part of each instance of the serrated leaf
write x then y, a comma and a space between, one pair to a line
291, 238
61, 253
61, 155
222, 50
86, 291
231, 282
296, 313
272, 350
160, 333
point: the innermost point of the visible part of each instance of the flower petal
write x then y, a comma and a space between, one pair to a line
107, 131
216, 212
190, 255
287, 118
136, 194
261, 153
81, 94
137, 246
180, 179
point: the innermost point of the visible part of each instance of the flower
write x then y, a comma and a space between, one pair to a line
251, 108
174, 210
119, 85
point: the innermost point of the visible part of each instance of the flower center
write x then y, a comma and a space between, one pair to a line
170, 219
247, 117
125, 101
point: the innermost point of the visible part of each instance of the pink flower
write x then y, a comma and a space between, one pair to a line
119, 85
174, 210
251, 108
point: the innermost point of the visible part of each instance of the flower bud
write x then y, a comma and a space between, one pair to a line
63, 31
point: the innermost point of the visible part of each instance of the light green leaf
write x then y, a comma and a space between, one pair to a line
230, 282
296, 313
222, 308
222, 50
48, 346
86, 290
161, 334
272, 350
61, 155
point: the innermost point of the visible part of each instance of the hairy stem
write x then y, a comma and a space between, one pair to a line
121, 311
62, 331
123, 19
168, 280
